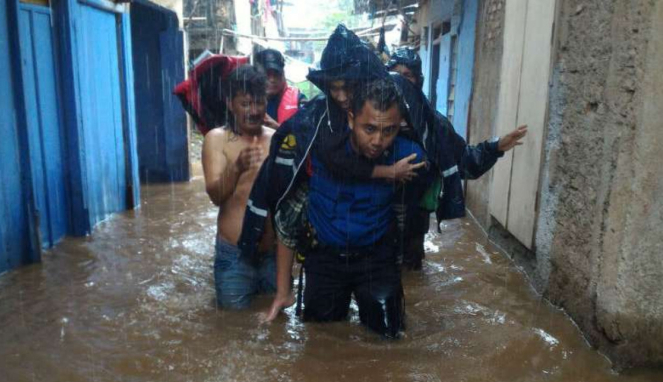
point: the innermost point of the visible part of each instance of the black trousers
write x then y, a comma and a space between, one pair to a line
371, 274
413, 240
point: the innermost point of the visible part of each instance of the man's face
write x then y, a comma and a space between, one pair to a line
405, 72
374, 131
249, 112
340, 93
275, 82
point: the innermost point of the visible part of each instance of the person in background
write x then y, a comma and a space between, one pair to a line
283, 100
407, 63
456, 160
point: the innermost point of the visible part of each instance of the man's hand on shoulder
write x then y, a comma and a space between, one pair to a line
270, 122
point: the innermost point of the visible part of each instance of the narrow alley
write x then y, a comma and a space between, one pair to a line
135, 302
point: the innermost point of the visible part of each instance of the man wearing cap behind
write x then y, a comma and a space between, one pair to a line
282, 100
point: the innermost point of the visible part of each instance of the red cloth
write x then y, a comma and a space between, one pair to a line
207, 113
289, 104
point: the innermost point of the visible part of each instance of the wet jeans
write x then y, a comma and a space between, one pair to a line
237, 281
371, 274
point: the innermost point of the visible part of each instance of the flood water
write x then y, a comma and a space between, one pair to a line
135, 302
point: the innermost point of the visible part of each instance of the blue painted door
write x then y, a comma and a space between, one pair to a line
14, 223
174, 119
43, 121
442, 84
100, 88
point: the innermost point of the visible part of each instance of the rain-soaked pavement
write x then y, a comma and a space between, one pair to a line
135, 302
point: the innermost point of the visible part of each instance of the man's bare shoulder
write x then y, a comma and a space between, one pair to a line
220, 135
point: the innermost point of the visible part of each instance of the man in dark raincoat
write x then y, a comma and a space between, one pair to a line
407, 63
465, 162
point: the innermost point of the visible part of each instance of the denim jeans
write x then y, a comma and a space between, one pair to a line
237, 280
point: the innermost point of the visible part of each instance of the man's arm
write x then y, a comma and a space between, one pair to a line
334, 156
284, 297
221, 174
403, 170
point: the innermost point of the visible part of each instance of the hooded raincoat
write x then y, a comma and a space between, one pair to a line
317, 127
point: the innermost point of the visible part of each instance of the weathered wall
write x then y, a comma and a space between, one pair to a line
481, 121
597, 248
603, 219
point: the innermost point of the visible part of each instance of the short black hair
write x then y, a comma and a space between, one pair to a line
382, 94
246, 79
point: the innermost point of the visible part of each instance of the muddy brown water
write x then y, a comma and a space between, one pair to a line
135, 302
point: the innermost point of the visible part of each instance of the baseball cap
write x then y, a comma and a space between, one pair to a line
270, 59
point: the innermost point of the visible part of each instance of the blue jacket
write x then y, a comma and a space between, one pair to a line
356, 214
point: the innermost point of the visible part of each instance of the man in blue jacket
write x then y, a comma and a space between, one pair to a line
316, 128
353, 223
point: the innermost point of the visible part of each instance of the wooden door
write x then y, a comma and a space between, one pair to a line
523, 99
44, 123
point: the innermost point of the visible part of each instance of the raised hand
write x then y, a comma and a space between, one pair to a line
512, 139
250, 156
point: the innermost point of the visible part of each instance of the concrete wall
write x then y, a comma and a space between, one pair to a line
597, 249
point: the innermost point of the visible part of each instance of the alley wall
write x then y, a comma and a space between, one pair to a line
597, 250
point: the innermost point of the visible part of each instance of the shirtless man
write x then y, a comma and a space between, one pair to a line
232, 156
